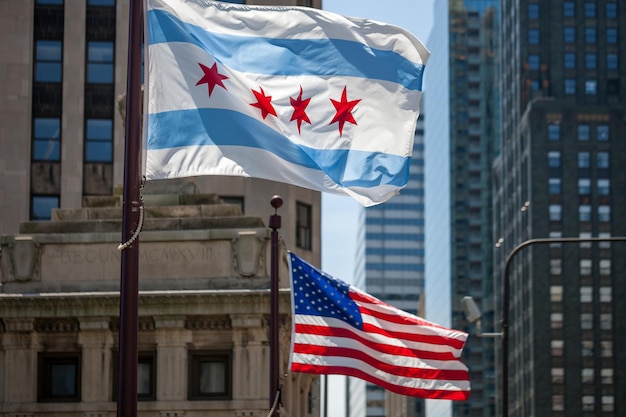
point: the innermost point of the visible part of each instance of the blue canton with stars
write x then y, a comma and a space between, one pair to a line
317, 293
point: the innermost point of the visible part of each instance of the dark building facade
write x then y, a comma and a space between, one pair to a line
559, 173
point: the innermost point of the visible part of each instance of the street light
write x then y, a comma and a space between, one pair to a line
506, 289
473, 315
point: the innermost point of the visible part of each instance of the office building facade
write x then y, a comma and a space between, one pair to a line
459, 158
560, 174
62, 136
394, 262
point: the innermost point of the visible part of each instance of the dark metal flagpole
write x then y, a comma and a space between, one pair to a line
129, 278
275, 223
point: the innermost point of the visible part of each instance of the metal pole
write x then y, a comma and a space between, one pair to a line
275, 223
129, 287
506, 295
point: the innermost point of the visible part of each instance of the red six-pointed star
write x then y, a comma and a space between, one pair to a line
344, 111
211, 77
264, 103
299, 107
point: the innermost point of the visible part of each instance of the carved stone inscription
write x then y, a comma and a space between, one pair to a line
159, 260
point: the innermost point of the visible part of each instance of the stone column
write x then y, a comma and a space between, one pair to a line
250, 358
20, 360
172, 339
96, 341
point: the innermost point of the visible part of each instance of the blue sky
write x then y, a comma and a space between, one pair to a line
340, 214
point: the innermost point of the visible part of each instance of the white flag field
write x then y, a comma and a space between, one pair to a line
290, 94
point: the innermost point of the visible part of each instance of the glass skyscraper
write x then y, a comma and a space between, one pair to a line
394, 262
461, 142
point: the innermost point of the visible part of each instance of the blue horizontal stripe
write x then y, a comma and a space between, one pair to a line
221, 127
259, 55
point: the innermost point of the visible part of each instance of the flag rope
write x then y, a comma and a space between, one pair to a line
135, 235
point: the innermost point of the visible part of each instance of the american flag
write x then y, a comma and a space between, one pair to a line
338, 329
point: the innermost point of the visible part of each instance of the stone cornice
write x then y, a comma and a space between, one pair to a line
151, 303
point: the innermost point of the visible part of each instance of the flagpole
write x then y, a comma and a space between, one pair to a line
275, 223
129, 277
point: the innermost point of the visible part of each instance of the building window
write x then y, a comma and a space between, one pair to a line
584, 159
591, 61
587, 375
58, 377
569, 60
606, 293
604, 213
591, 87
99, 143
590, 35
590, 9
606, 348
584, 213
570, 86
554, 186
555, 234
586, 294
586, 350
210, 375
146, 376
556, 293
303, 226
556, 348
557, 375
608, 402
558, 403
606, 376
555, 212
569, 35
533, 11
41, 206
584, 186
533, 62
604, 189
47, 139
588, 402
100, 62
606, 321
554, 159
583, 132
533, 36
611, 10
585, 267
602, 133
611, 35
554, 131
101, 3
583, 244
605, 267
51, 2
586, 321
556, 320
569, 9
556, 267
602, 159
48, 61
611, 61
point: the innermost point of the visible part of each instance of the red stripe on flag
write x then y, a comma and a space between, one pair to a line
404, 390
410, 372
390, 349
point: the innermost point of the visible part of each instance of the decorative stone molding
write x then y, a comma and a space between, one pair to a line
172, 414
245, 413
57, 325
208, 323
24, 255
19, 325
248, 253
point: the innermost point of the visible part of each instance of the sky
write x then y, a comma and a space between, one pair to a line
340, 214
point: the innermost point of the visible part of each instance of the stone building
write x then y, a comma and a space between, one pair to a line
203, 312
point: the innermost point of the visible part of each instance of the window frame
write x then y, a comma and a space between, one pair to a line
196, 358
304, 227
45, 363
